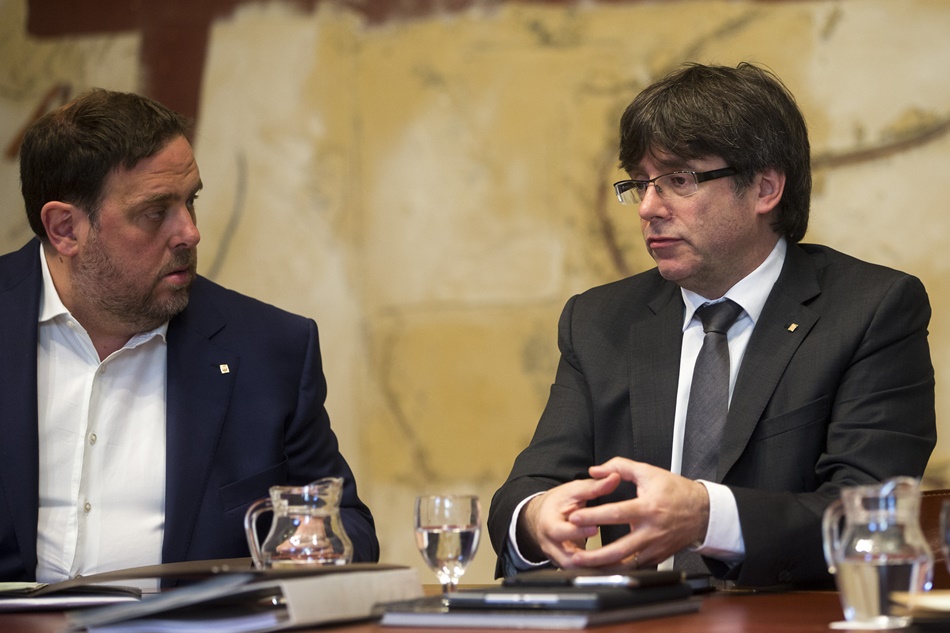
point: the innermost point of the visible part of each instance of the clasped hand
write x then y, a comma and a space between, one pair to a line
669, 513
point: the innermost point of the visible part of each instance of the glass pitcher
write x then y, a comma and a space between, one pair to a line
306, 528
874, 546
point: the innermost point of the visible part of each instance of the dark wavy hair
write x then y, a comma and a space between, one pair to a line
67, 154
745, 115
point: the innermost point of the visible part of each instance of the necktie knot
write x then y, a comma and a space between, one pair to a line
718, 317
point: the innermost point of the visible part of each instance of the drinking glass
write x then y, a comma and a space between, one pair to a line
447, 532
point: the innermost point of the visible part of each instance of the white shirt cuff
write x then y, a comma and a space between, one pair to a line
724, 534
519, 561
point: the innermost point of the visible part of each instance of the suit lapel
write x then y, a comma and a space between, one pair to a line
783, 325
654, 361
198, 395
201, 377
19, 449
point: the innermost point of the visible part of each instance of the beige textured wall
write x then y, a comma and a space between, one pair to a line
432, 190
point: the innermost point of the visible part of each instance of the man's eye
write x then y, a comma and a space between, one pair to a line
676, 181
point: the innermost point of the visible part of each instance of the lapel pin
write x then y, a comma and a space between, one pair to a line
224, 368
791, 328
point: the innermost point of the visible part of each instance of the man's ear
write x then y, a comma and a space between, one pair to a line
771, 185
62, 220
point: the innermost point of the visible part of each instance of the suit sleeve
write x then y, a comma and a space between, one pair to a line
561, 449
313, 452
880, 423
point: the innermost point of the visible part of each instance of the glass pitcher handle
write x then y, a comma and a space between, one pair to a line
255, 510
831, 532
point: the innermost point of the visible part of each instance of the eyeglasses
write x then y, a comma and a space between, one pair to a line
678, 184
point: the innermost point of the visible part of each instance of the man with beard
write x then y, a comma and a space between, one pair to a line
144, 407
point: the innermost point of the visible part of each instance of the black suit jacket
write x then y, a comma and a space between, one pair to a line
836, 388
230, 436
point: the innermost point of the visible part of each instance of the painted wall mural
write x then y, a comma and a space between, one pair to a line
430, 181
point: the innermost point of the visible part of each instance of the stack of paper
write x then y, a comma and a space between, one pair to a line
927, 606
258, 602
37, 596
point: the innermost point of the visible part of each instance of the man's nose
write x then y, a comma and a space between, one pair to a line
651, 204
186, 234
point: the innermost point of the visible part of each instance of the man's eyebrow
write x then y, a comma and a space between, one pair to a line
674, 165
167, 195
154, 199
665, 162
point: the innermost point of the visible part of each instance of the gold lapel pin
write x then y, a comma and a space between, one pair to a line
791, 328
224, 368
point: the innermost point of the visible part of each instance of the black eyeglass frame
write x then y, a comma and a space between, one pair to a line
623, 186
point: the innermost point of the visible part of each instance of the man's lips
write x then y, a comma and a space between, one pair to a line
659, 242
181, 269
180, 276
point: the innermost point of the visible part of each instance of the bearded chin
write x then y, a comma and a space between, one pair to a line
104, 287
160, 311
146, 312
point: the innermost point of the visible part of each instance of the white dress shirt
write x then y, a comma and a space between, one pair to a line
724, 534
101, 448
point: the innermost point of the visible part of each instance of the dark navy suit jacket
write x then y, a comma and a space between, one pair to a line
230, 436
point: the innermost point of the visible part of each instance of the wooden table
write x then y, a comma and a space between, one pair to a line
794, 612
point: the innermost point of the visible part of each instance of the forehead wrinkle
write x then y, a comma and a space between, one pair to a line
666, 163
665, 160
162, 197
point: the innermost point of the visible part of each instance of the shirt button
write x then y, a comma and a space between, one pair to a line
87, 506
92, 438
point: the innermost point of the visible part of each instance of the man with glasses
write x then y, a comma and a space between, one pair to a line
720, 450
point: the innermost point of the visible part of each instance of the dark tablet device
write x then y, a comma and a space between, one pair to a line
701, 583
595, 578
567, 598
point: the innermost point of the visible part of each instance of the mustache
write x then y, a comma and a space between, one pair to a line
187, 259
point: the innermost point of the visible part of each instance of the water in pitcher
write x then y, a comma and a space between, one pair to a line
302, 538
874, 546
306, 528
866, 589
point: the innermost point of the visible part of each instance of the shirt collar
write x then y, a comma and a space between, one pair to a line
51, 306
751, 292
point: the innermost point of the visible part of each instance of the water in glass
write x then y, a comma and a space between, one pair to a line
447, 532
